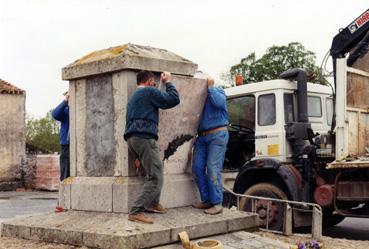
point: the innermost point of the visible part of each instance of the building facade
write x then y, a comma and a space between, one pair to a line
12, 135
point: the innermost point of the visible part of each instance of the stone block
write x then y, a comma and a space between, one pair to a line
100, 141
178, 126
125, 191
78, 136
242, 223
56, 235
124, 84
200, 230
17, 231
128, 56
178, 191
134, 235
72, 128
92, 193
65, 193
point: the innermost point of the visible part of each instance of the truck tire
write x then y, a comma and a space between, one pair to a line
330, 220
276, 209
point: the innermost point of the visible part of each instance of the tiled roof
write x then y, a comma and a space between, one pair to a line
8, 88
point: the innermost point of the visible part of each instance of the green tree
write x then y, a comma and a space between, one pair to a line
42, 135
276, 60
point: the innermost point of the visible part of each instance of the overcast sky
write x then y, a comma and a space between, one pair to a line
39, 37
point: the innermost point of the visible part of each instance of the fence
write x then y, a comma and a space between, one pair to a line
289, 207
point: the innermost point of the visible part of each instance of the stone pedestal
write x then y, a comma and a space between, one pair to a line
102, 171
115, 231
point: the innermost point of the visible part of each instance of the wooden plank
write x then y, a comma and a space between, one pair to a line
351, 164
357, 91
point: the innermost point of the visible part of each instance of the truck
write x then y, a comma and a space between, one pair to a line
291, 139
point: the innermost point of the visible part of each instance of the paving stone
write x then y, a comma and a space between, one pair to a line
242, 223
238, 240
56, 235
17, 231
134, 235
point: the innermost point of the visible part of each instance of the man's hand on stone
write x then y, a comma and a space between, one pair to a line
165, 77
66, 96
138, 167
210, 81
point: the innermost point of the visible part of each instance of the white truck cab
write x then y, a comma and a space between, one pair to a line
266, 107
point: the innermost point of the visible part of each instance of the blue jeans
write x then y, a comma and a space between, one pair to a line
207, 164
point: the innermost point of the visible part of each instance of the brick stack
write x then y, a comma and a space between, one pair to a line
47, 172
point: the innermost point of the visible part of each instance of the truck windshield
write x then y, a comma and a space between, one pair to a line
241, 111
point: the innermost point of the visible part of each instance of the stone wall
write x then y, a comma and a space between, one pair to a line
29, 171
12, 139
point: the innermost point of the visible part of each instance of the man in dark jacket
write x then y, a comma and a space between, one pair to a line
209, 150
61, 113
141, 133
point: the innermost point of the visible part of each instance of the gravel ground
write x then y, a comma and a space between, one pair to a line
328, 242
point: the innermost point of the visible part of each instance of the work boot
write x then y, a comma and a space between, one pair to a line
202, 205
140, 217
158, 208
217, 209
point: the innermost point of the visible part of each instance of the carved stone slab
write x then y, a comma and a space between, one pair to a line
178, 126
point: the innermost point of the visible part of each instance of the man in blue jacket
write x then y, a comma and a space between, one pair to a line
141, 133
61, 113
209, 150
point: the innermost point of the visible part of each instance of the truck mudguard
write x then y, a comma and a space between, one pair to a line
271, 171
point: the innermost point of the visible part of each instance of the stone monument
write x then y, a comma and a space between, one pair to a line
102, 172
103, 176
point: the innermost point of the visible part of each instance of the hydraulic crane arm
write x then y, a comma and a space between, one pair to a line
354, 35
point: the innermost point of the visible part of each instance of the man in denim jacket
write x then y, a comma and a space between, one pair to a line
209, 150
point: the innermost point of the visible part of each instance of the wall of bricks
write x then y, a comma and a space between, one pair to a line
47, 172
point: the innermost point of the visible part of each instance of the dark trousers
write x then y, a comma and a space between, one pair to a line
147, 151
64, 162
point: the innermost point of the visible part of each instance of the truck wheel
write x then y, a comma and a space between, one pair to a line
276, 209
330, 220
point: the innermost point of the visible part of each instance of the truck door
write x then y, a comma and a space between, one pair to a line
241, 145
269, 134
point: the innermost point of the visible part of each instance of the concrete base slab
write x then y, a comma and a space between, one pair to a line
111, 230
239, 240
